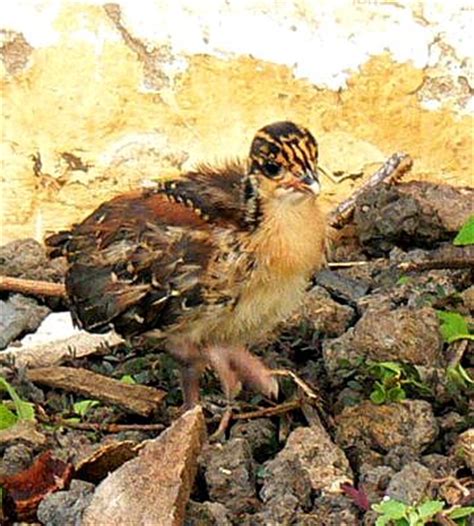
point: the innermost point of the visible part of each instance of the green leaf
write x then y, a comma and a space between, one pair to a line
24, 410
7, 417
378, 395
402, 280
430, 508
459, 513
128, 379
466, 234
413, 518
396, 394
81, 408
453, 326
393, 509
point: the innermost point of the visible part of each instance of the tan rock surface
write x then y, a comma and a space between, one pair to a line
86, 118
152, 489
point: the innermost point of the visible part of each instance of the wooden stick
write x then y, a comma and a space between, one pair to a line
391, 171
32, 287
105, 427
307, 390
269, 411
138, 399
434, 264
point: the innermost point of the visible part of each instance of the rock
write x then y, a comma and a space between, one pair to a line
26, 258
206, 514
382, 427
18, 315
326, 316
260, 435
229, 471
324, 463
417, 212
154, 487
464, 448
403, 335
15, 458
335, 510
286, 490
341, 287
374, 481
440, 466
401, 455
468, 298
65, 508
410, 485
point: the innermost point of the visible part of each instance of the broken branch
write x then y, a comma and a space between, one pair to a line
32, 287
391, 171
138, 399
280, 409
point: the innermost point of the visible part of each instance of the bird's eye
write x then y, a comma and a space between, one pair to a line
271, 169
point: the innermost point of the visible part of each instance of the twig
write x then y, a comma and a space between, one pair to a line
391, 171
348, 264
299, 382
433, 264
269, 411
104, 427
32, 287
138, 399
442, 520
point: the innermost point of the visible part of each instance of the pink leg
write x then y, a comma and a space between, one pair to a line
236, 365
219, 361
192, 366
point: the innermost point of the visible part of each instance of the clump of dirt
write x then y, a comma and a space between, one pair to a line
381, 407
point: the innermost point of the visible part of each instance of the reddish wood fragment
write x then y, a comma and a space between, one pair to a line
25, 490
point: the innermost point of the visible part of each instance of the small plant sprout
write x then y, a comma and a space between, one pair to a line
15, 409
395, 513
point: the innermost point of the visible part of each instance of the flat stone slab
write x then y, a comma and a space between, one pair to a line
153, 488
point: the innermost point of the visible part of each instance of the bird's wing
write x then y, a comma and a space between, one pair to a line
137, 262
215, 193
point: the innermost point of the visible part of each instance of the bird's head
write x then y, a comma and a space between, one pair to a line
284, 158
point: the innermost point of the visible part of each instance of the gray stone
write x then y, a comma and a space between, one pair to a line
403, 335
410, 485
260, 434
374, 481
65, 508
383, 427
206, 514
229, 471
19, 315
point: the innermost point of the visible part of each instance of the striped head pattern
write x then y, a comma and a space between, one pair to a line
284, 157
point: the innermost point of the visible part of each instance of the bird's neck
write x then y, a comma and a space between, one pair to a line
291, 236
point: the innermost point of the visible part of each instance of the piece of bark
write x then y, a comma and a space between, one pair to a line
135, 398
22, 431
52, 353
106, 459
152, 489
25, 490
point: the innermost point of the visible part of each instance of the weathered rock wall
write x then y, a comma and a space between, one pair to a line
98, 97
